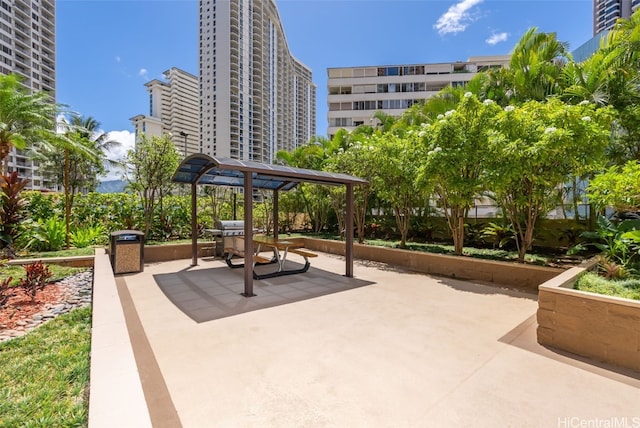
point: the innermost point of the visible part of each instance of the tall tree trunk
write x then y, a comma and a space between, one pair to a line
67, 202
459, 242
361, 220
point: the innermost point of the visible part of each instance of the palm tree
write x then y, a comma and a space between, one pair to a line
536, 65
588, 80
88, 129
84, 162
26, 119
534, 73
77, 158
610, 77
445, 100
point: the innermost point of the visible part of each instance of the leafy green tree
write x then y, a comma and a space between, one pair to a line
617, 187
314, 198
26, 119
535, 148
396, 167
454, 153
151, 165
357, 160
290, 205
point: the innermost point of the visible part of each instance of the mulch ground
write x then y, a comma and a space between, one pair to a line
21, 307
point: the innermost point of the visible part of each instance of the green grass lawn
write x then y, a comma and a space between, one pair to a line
88, 251
18, 272
45, 374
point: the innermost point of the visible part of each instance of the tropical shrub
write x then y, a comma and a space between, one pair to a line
618, 242
47, 235
500, 235
90, 235
172, 219
40, 206
610, 269
115, 211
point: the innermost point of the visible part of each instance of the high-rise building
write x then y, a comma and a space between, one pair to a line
605, 15
28, 49
607, 12
173, 109
356, 93
255, 97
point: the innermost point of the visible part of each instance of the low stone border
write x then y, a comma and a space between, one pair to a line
72, 261
592, 325
116, 397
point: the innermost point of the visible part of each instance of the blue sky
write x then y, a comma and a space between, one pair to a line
108, 49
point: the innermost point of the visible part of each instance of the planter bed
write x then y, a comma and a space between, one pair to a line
516, 275
604, 328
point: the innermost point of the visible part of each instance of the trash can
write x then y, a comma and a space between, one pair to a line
127, 251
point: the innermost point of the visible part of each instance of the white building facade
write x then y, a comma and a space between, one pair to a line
255, 97
174, 110
28, 49
356, 93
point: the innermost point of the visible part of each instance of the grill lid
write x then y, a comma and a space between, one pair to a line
230, 225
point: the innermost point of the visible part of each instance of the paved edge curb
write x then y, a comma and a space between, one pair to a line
116, 396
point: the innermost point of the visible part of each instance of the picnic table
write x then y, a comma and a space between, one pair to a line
281, 249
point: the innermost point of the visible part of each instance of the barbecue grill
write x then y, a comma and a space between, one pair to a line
226, 235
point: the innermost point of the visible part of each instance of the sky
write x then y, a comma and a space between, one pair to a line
108, 49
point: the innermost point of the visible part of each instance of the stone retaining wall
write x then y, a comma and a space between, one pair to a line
73, 261
591, 325
164, 253
467, 268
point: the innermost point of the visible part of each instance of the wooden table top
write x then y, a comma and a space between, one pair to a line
280, 244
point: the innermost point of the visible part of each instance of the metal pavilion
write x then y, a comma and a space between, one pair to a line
217, 171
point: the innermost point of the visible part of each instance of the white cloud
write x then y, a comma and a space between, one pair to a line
497, 38
144, 73
118, 59
456, 18
127, 141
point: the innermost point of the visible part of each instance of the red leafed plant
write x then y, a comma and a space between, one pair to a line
6, 291
11, 185
37, 276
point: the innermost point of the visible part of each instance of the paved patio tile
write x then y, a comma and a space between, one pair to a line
389, 349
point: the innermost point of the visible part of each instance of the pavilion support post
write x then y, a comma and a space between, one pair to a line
349, 232
275, 214
248, 234
194, 226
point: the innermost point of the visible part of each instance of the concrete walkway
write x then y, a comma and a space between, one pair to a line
406, 350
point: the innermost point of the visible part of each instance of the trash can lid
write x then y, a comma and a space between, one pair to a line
126, 232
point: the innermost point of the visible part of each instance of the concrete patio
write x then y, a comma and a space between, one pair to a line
386, 348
